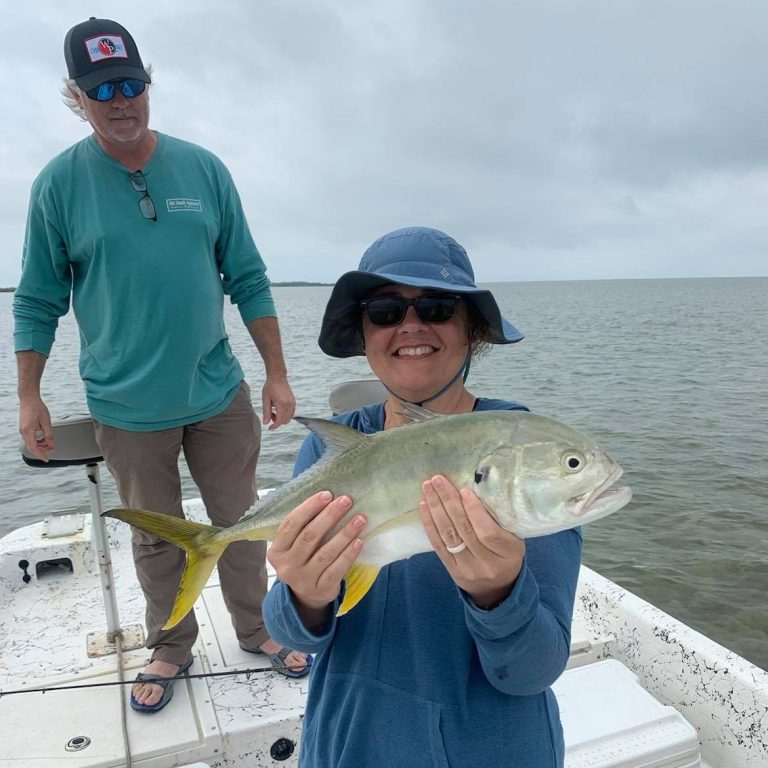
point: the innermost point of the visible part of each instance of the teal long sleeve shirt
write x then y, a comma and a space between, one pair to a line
147, 295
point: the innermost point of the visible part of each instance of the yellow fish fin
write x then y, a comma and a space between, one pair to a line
359, 579
202, 543
177, 530
198, 569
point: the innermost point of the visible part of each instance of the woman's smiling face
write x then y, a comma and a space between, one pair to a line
416, 358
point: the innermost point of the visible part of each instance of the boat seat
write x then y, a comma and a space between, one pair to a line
75, 444
353, 394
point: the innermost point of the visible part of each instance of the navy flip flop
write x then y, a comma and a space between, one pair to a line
278, 658
166, 683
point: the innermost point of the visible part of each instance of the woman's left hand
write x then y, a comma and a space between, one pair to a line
482, 558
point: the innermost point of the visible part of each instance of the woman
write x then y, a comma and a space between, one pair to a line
449, 659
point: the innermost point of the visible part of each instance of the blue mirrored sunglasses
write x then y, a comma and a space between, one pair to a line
106, 91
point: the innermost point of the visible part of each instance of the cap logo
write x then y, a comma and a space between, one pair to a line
445, 273
105, 47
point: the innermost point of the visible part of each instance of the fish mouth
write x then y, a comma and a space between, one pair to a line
605, 499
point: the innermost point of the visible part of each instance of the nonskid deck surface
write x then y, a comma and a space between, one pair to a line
236, 720
44, 630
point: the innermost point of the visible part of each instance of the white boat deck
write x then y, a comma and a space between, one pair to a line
44, 630
238, 721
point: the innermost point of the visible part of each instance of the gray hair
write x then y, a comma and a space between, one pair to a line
70, 88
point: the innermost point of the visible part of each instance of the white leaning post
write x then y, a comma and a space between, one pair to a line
76, 444
99, 532
131, 637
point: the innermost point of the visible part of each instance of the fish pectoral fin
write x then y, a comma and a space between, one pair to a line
405, 520
359, 579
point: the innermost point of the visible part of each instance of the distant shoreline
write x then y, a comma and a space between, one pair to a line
482, 283
295, 284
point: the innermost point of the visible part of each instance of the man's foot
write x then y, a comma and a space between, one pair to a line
149, 694
296, 661
284, 660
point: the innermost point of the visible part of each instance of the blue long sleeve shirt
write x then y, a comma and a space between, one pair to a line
416, 676
147, 295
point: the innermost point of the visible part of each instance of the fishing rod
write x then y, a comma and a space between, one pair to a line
247, 672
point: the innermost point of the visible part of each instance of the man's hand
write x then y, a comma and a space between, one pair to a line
34, 419
278, 402
35, 427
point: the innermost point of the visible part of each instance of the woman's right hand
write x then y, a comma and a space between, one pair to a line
303, 559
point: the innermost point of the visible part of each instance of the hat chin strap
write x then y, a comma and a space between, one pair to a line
464, 370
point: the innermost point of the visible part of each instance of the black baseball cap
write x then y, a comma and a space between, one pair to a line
99, 50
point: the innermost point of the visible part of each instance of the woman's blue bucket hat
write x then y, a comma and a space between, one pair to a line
419, 257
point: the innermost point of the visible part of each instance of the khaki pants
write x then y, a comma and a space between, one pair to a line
221, 453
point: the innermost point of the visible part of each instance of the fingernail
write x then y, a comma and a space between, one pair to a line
325, 496
345, 502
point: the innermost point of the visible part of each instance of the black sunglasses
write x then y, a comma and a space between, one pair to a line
390, 310
146, 206
106, 91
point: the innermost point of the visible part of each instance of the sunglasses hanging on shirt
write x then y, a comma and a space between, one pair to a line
146, 206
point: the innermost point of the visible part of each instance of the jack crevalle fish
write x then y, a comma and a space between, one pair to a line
535, 476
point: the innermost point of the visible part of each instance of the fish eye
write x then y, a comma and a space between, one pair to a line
572, 461
480, 474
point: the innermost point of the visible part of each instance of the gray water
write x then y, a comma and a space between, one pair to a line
671, 377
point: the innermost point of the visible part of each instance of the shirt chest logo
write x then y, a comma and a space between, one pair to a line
174, 204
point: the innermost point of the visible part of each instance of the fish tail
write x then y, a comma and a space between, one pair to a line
177, 530
203, 544
359, 579
196, 573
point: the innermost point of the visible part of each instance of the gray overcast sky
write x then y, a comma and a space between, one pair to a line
555, 139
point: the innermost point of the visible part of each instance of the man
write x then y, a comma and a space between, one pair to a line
147, 233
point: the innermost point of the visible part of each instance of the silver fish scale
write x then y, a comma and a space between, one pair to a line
383, 472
